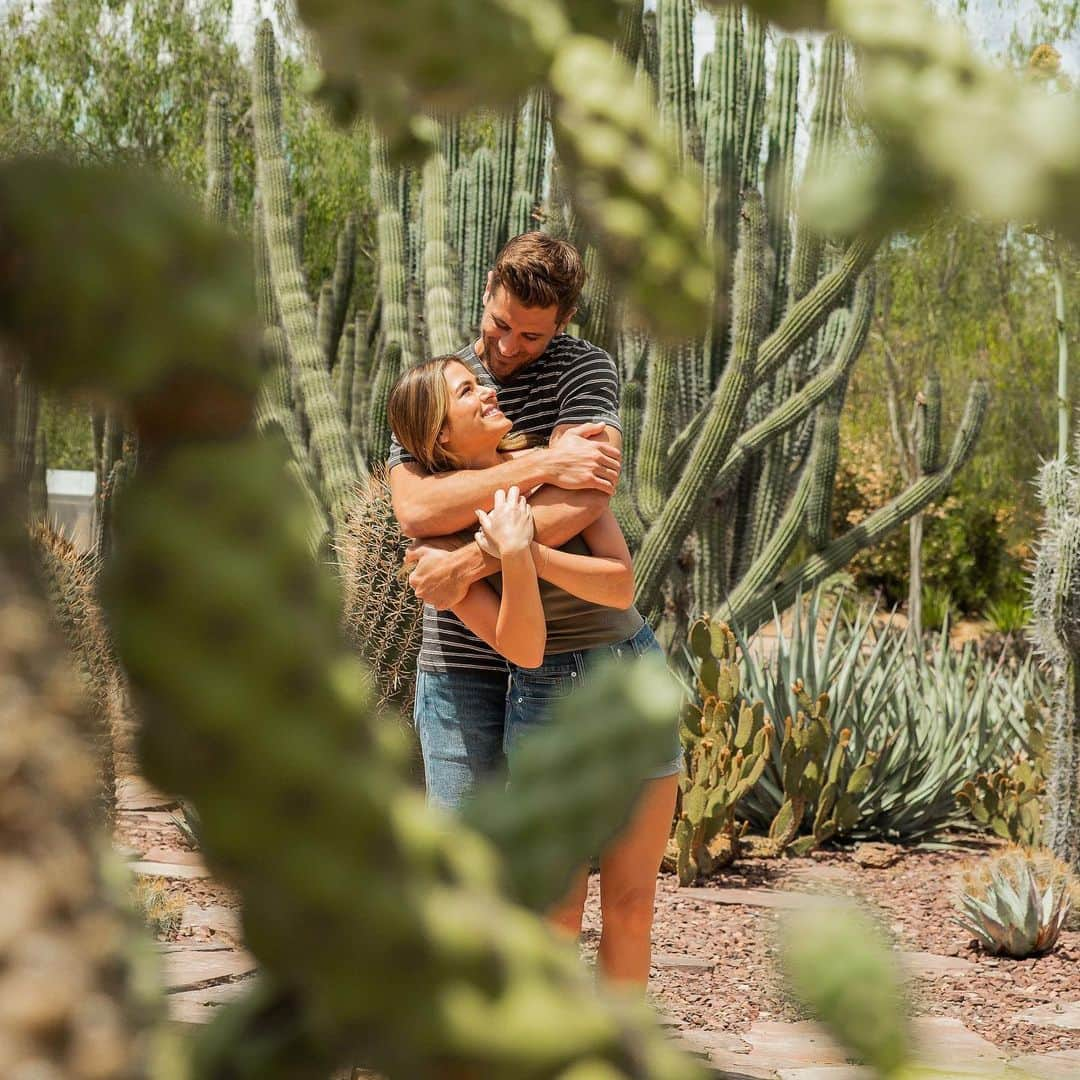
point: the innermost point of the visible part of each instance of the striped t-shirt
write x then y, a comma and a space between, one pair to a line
571, 382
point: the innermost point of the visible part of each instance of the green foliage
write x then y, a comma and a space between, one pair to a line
726, 745
1016, 904
68, 435
969, 545
1009, 614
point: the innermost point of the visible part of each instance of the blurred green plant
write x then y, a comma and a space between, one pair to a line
255, 707
1009, 614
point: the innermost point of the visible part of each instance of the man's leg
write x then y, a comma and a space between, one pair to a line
459, 716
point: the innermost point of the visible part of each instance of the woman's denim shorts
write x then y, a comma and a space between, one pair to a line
534, 690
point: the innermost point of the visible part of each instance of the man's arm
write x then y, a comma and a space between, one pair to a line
580, 457
441, 577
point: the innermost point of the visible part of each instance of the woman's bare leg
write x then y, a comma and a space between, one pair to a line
628, 885
566, 915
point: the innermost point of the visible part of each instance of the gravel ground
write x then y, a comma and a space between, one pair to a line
738, 985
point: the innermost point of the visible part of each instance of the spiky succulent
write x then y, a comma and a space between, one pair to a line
1017, 903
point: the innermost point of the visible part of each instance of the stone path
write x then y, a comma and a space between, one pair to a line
200, 978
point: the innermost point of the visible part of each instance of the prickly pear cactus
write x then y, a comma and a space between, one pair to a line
814, 784
727, 745
1008, 800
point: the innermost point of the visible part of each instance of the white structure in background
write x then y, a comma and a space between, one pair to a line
72, 504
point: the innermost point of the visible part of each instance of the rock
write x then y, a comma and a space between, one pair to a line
170, 871
766, 898
876, 856
1063, 1014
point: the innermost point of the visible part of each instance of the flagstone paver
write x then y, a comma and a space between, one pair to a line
199, 1006
220, 919
170, 871
1063, 1014
927, 965
680, 962
1056, 1065
176, 855
134, 793
828, 1072
187, 967
944, 1043
777, 1044
765, 898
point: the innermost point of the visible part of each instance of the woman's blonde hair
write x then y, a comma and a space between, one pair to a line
417, 410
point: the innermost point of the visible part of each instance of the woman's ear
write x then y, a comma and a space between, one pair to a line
443, 437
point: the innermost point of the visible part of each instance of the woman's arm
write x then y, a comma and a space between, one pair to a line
516, 632
515, 625
605, 577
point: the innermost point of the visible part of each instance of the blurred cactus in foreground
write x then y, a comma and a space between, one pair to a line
1016, 904
252, 703
1055, 601
838, 965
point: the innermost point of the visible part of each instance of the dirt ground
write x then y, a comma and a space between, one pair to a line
715, 961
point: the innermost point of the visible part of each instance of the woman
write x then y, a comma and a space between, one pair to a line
552, 631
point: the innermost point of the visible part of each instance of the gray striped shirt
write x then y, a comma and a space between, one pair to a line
571, 382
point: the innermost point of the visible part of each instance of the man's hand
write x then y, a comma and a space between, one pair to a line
579, 459
434, 577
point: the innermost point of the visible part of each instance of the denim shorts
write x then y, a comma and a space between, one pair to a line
534, 690
460, 718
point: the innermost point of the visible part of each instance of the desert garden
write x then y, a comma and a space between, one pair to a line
849, 484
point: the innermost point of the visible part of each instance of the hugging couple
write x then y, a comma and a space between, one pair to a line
504, 457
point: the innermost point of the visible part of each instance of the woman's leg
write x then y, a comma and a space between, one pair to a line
628, 872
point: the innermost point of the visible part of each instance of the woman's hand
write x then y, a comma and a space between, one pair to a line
508, 528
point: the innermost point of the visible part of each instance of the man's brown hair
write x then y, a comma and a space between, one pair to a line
540, 271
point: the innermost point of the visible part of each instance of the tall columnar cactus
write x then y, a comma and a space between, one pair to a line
255, 707
1055, 599
735, 448
333, 451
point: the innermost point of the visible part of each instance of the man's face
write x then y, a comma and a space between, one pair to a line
513, 335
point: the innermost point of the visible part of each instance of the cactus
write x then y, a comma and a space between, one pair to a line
1055, 601
381, 613
1016, 903
756, 435
83, 992
838, 964
821, 784
218, 159
727, 745
333, 451
230, 633
1006, 800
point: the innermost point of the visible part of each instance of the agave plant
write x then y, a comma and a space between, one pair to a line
1017, 903
930, 722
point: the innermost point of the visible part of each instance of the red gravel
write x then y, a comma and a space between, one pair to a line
915, 895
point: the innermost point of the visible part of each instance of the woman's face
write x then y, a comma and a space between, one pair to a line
474, 425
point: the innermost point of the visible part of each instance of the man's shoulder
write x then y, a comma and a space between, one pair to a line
565, 351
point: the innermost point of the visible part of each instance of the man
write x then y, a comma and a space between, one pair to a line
551, 386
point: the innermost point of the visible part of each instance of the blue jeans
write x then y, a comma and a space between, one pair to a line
460, 717
533, 691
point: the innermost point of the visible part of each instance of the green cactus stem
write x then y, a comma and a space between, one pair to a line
218, 159
440, 321
335, 455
